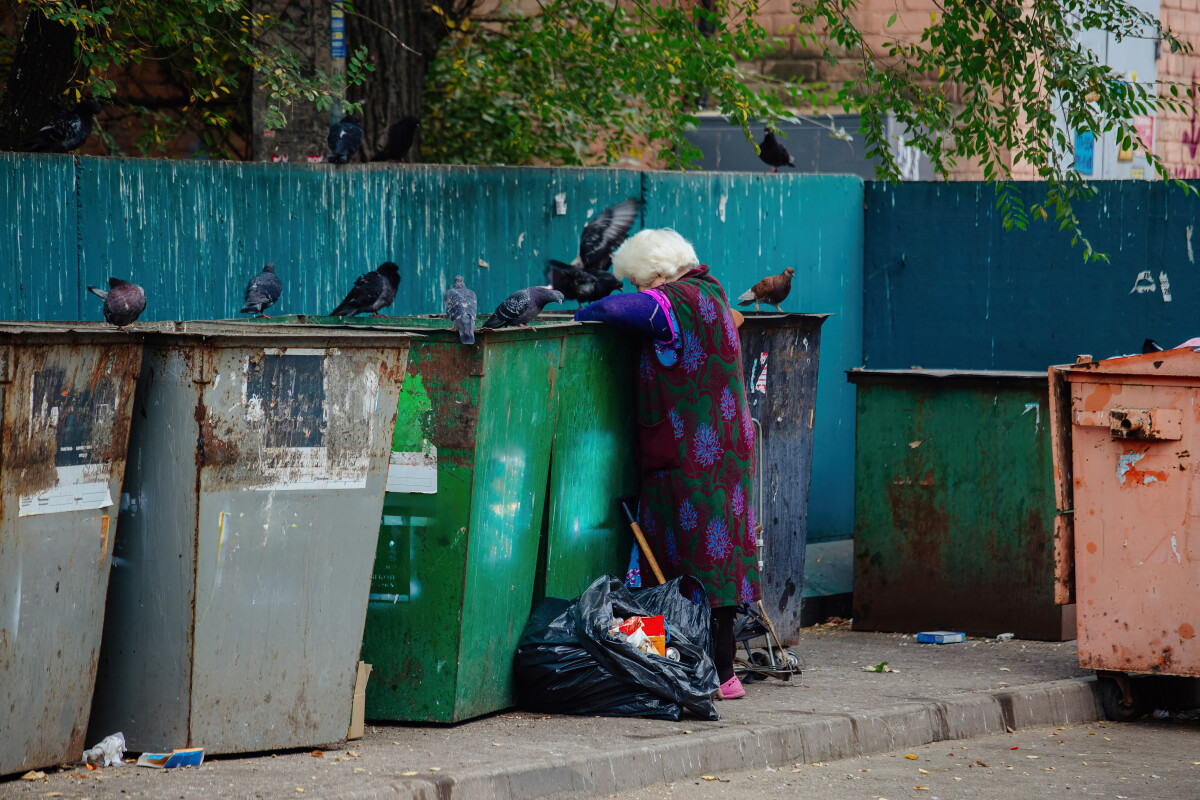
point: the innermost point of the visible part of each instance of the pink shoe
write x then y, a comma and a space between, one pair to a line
732, 689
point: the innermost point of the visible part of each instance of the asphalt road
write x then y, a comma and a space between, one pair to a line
1151, 759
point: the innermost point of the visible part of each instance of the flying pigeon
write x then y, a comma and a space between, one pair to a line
345, 137
123, 302
520, 307
399, 140
461, 307
262, 292
371, 292
602, 235
774, 153
773, 290
66, 130
581, 285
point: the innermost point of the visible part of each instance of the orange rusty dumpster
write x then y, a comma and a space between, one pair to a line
1126, 449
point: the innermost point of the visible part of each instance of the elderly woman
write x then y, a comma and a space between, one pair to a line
695, 438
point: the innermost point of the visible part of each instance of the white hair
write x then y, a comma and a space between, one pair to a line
654, 253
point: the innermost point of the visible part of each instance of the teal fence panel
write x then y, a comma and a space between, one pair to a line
947, 287
192, 233
750, 225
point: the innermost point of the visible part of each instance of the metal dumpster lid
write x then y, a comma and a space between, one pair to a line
244, 331
1183, 362
15, 331
426, 324
873, 376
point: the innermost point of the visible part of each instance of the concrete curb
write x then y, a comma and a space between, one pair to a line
815, 737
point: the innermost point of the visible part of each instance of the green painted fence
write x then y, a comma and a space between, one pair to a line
193, 232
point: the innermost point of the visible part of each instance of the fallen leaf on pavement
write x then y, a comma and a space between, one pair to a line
33, 775
52, 794
923, 771
407, 774
980, 763
318, 753
298, 789
911, 756
1005, 669
921, 788
708, 777
958, 779
352, 753
1032, 756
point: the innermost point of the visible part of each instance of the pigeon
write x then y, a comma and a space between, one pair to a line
1151, 346
371, 292
344, 139
581, 285
773, 290
262, 292
520, 307
399, 140
66, 130
123, 302
461, 307
602, 235
774, 153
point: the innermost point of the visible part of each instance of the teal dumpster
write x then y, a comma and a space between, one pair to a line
248, 522
66, 394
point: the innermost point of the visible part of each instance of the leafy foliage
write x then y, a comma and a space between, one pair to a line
211, 50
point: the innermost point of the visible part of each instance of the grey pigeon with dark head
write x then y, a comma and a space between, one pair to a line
345, 137
520, 307
461, 307
371, 292
772, 152
263, 291
399, 140
66, 130
123, 302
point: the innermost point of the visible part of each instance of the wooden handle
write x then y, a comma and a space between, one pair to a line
641, 540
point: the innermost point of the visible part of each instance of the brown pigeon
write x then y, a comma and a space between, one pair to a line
123, 302
773, 290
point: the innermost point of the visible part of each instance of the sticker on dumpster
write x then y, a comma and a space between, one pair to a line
761, 384
297, 403
413, 473
77, 425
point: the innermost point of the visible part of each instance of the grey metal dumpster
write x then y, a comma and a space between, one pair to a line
780, 357
66, 391
249, 518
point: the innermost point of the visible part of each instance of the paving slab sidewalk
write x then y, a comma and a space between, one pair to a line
834, 710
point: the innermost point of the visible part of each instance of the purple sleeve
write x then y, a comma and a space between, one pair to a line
629, 312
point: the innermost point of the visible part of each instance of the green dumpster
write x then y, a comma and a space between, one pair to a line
954, 504
484, 434
248, 524
66, 395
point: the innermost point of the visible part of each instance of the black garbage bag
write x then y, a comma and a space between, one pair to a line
567, 663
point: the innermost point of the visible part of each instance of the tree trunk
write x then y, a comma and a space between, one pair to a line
42, 70
395, 88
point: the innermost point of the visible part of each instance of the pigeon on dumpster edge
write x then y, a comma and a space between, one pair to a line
345, 137
461, 307
399, 140
123, 302
520, 307
581, 285
66, 130
772, 290
371, 292
772, 151
262, 292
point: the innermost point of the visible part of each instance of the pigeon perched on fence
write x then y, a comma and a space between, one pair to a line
774, 153
399, 140
582, 285
66, 130
371, 292
520, 307
461, 307
772, 290
262, 292
345, 137
123, 302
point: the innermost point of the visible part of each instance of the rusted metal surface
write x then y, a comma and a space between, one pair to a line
1064, 516
65, 396
780, 359
954, 504
1137, 539
249, 521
